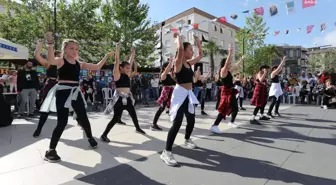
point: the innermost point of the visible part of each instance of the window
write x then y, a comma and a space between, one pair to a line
222, 43
221, 30
167, 43
189, 21
231, 33
295, 53
214, 27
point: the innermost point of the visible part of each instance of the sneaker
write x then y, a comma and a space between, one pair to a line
242, 108
265, 118
37, 133
277, 114
139, 131
167, 112
233, 125
104, 139
215, 129
121, 122
270, 115
155, 128
325, 107
168, 158
203, 113
190, 144
254, 122
52, 157
20, 116
93, 143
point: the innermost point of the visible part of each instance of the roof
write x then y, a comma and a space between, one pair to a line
200, 12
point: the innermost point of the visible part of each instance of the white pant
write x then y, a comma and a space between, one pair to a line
12, 87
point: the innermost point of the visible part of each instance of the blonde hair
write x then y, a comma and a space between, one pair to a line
65, 44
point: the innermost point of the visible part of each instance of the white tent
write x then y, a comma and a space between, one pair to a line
11, 51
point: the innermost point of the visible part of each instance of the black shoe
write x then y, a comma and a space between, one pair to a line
270, 115
265, 118
254, 122
140, 131
242, 108
277, 114
21, 116
203, 113
37, 133
52, 157
105, 139
121, 123
93, 143
167, 112
155, 128
31, 115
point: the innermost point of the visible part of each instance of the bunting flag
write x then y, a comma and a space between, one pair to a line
234, 16
323, 27
276, 33
174, 30
222, 19
287, 32
298, 29
259, 11
246, 11
308, 3
273, 10
310, 28
290, 5
195, 25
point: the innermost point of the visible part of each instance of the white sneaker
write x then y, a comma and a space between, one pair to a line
215, 129
325, 107
233, 125
190, 144
168, 158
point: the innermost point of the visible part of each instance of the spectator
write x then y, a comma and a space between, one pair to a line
13, 81
329, 95
144, 88
28, 84
155, 87
208, 90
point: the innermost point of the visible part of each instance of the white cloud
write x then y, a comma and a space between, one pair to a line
327, 39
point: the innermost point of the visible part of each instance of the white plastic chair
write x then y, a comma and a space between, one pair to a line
107, 95
293, 93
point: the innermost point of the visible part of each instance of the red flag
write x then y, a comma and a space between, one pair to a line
222, 19
259, 11
174, 30
308, 3
195, 26
276, 33
310, 28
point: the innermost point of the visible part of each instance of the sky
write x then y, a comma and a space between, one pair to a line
322, 12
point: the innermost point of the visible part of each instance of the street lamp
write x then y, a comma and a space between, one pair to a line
55, 22
161, 54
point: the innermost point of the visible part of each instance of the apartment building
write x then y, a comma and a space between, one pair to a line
222, 33
322, 50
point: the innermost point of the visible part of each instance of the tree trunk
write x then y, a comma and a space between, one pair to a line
212, 64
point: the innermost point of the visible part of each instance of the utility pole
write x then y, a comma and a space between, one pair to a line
55, 23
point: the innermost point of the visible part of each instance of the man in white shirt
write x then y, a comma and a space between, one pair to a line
155, 87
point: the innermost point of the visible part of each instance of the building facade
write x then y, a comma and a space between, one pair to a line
323, 62
223, 34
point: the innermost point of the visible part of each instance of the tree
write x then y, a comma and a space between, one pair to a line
252, 37
325, 61
212, 50
132, 28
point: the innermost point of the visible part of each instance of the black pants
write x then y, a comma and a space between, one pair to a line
63, 114
158, 113
89, 96
240, 101
219, 90
44, 117
178, 122
208, 94
275, 102
256, 110
200, 98
118, 110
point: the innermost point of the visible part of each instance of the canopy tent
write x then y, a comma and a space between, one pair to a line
12, 51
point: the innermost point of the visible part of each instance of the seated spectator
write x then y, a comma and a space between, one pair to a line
304, 90
329, 95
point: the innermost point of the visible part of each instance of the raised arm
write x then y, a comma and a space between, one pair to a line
116, 72
225, 68
50, 45
135, 72
132, 58
200, 52
279, 68
237, 65
180, 53
263, 76
37, 54
168, 68
206, 77
95, 67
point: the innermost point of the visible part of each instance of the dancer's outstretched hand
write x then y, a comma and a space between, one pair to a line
110, 54
49, 37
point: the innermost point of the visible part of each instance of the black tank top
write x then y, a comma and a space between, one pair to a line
185, 75
124, 81
168, 81
199, 83
238, 82
275, 79
69, 71
228, 80
52, 71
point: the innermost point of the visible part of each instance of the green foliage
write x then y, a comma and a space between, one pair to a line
212, 50
323, 61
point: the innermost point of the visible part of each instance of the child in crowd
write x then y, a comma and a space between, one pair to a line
13, 81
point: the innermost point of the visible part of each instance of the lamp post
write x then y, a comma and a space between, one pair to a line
55, 23
161, 53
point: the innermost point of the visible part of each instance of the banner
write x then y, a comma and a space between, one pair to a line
290, 5
308, 3
310, 28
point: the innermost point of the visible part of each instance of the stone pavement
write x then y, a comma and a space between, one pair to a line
297, 149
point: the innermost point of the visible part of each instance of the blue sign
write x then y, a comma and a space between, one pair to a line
11, 48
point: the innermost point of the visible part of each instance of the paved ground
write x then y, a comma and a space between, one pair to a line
297, 149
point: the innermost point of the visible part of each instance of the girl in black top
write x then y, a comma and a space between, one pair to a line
122, 98
199, 86
168, 83
183, 99
67, 92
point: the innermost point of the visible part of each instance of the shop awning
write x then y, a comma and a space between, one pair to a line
12, 51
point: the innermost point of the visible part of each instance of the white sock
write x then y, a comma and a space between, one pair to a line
253, 117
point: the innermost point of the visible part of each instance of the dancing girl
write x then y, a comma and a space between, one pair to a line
275, 91
228, 102
199, 90
66, 95
122, 98
183, 98
167, 81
